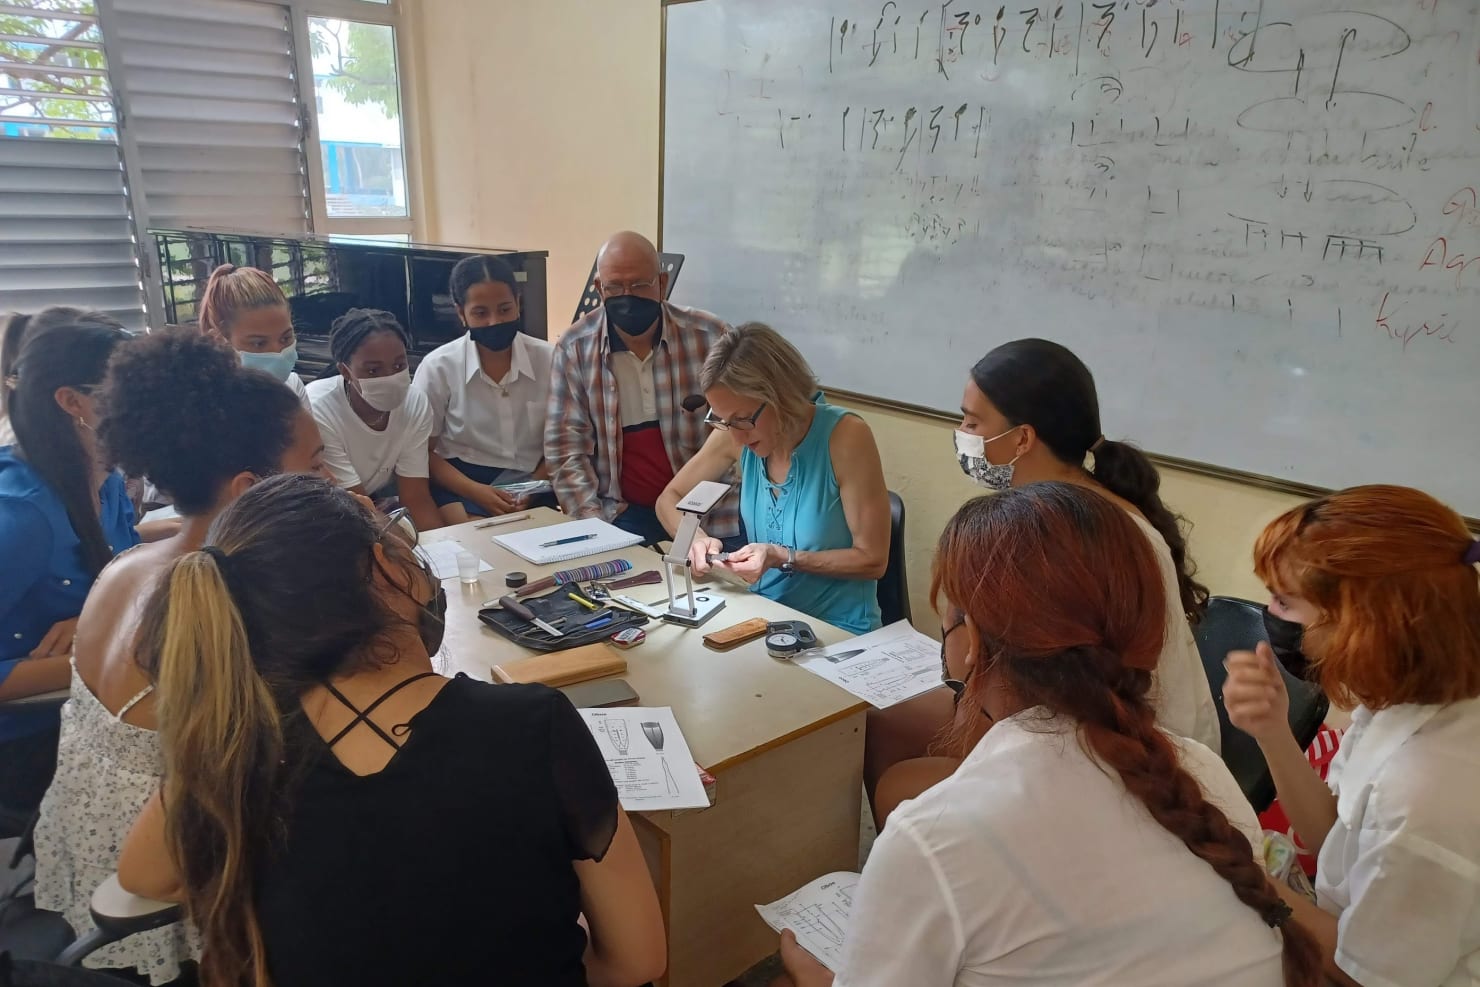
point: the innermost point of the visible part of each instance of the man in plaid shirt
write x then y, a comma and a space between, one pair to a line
616, 432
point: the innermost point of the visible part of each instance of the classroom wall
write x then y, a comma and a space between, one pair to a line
540, 130
539, 127
920, 464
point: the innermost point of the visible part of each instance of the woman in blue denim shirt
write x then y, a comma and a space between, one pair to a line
63, 516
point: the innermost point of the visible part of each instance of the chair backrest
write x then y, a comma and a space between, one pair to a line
894, 585
591, 298
1232, 624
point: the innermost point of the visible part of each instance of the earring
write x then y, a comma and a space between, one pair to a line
82, 423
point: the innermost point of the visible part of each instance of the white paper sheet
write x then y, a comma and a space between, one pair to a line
648, 758
883, 667
442, 557
818, 914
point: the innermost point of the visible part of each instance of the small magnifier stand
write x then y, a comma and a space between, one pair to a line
691, 609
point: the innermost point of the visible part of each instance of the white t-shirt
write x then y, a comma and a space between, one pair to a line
1033, 865
296, 385
359, 455
1180, 692
1401, 866
482, 421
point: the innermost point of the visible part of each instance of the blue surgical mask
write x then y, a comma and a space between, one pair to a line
971, 453
276, 365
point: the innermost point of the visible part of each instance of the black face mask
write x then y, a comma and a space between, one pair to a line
633, 314
497, 337
1285, 639
431, 622
431, 617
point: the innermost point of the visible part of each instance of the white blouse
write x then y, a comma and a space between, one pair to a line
1180, 690
1401, 866
1033, 865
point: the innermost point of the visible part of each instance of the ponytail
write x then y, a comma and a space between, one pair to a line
221, 731
1126, 471
232, 290
1126, 739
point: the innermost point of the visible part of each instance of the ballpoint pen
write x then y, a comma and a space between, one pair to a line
567, 541
506, 519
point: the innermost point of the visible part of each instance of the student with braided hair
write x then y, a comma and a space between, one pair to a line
1078, 842
375, 427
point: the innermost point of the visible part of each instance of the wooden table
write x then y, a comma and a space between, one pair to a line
785, 748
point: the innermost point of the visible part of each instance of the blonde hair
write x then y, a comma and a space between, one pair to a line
233, 290
230, 646
757, 361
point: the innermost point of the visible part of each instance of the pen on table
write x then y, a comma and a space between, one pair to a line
506, 519
567, 541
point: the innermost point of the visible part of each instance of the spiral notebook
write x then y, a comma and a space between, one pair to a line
571, 540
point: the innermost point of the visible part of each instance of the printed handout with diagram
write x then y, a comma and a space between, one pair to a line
648, 758
883, 667
818, 914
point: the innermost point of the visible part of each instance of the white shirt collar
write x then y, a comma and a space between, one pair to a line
519, 363
1372, 741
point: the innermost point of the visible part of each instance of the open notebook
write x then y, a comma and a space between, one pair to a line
563, 542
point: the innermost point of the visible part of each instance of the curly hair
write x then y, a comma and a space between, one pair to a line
1399, 605
180, 409
1062, 597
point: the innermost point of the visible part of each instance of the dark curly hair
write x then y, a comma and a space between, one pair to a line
180, 409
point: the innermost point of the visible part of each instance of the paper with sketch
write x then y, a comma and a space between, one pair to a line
818, 914
648, 758
883, 667
442, 557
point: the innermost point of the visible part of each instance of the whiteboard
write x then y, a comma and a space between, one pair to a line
1255, 220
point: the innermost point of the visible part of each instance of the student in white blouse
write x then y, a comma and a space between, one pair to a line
1078, 842
1383, 579
375, 428
487, 391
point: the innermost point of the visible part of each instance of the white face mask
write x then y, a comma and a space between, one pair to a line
971, 453
385, 393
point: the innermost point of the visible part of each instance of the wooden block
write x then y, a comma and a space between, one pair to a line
594, 661
736, 634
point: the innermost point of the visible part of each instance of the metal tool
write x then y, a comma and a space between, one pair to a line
523, 612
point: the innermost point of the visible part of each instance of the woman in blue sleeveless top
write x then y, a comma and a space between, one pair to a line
812, 492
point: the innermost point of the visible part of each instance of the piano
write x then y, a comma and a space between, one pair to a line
323, 277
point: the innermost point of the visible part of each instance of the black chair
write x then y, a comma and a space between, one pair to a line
590, 301
894, 585
1238, 625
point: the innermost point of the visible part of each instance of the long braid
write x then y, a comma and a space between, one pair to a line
1122, 734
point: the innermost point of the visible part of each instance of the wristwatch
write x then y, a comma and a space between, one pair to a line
789, 567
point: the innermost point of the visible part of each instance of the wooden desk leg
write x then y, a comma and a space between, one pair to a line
779, 820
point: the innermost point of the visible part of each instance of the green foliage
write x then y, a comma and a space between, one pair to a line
48, 76
362, 60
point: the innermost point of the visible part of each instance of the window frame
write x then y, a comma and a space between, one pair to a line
366, 12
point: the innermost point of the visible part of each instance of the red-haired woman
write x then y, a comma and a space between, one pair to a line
1078, 842
1383, 580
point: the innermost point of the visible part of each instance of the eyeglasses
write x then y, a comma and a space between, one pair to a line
400, 520
745, 424
957, 686
615, 288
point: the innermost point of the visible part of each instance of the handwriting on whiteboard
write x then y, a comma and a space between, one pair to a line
1306, 192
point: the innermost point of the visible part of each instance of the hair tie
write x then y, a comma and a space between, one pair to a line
1472, 554
1277, 915
223, 563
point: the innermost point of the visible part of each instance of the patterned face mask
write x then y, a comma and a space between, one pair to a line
971, 453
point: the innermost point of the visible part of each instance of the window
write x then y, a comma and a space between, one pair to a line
118, 117
358, 101
66, 232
